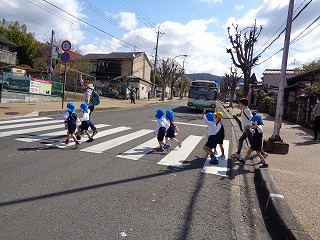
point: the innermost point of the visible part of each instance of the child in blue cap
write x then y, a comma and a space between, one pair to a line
71, 121
212, 131
85, 122
161, 128
172, 130
256, 142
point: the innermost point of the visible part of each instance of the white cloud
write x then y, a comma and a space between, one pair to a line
128, 20
238, 7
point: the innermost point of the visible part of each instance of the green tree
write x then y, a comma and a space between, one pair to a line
308, 67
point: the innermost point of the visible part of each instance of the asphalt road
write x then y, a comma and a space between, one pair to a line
63, 193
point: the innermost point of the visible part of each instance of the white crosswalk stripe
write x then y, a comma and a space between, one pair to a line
51, 135
178, 155
101, 147
141, 150
175, 157
24, 120
31, 130
30, 124
220, 169
99, 135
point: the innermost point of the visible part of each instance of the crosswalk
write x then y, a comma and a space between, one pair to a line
54, 129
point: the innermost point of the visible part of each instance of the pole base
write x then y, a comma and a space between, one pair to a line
276, 147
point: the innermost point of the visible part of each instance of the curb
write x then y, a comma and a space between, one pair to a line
275, 205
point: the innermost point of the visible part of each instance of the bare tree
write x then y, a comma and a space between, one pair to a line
242, 51
165, 72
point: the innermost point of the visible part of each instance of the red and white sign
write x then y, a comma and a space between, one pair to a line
66, 45
39, 86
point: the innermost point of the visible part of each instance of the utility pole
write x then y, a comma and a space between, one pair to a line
155, 66
51, 48
279, 109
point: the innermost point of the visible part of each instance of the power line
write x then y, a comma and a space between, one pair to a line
99, 29
284, 29
113, 22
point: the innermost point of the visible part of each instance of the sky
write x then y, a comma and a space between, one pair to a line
196, 28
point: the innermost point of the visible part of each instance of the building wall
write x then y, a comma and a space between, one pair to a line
273, 79
141, 67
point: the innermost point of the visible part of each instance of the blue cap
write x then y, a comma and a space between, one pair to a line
84, 107
257, 118
160, 114
170, 115
71, 107
210, 117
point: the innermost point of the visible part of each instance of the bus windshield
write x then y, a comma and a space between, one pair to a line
204, 93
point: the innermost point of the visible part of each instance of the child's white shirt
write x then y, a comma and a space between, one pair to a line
259, 127
162, 123
218, 127
212, 127
85, 116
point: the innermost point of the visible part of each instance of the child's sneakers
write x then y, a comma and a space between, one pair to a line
66, 142
166, 146
78, 137
213, 160
179, 144
77, 144
222, 157
90, 140
160, 149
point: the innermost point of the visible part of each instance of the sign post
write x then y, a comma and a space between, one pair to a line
65, 57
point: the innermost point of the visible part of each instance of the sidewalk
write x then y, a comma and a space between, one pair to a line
51, 108
292, 182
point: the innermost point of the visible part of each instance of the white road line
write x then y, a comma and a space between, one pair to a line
51, 135
141, 150
24, 120
190, 124
30, 130
178, 155
101, 147
222, 168
31, 124
99, 135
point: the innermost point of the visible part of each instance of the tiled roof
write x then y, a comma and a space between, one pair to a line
278, 71
8, 43
113, 55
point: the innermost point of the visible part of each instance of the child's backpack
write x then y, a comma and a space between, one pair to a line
95, 98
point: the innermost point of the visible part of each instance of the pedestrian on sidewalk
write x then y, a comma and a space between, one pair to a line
220, 134
245, 118
133, 95
256, 142
212, 130
173, 128
316, 112
85, 122
161, 128
149, 95
88, 86
71, 121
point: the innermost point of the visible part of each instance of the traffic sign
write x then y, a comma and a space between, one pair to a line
66, 45
65, 57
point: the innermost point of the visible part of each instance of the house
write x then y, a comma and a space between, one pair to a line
272, 77
7, 52
299, 98
135, 65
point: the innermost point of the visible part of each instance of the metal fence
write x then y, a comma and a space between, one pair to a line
21, 84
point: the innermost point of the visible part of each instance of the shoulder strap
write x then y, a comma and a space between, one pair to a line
245, 113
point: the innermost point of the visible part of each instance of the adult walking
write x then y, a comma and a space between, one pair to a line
245, 117
88, 86
133, 95
316, 126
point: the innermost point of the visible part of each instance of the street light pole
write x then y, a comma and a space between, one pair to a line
155, 67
